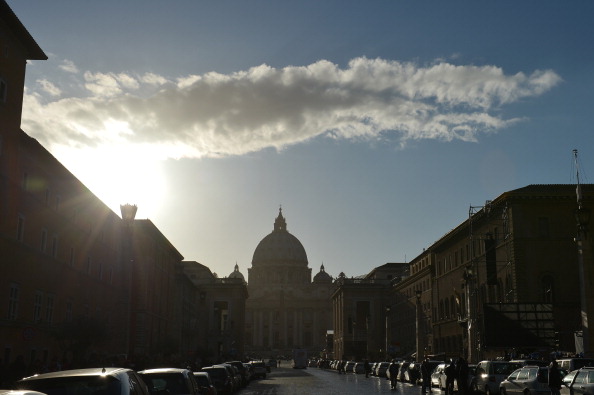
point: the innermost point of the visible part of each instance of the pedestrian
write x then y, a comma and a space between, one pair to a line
393, 370
554, 378
426, 375
450, 372
462, 375
367, 368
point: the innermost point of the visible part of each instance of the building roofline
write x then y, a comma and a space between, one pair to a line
32, 50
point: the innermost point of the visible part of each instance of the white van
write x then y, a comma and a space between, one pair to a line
570, 364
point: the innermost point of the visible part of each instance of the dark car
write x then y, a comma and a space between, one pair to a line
259, 368
170, 381
222, 380
244, 374
94, 381
403, 368
205, 384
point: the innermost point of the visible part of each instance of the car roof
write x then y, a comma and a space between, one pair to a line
163, 370
201, 374
20, 392
108, 371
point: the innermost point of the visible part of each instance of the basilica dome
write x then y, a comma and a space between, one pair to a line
280, 247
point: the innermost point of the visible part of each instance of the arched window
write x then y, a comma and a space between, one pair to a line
547, 285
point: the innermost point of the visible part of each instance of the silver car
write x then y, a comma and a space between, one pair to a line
490, 374
529, 380
93, 381
578, 382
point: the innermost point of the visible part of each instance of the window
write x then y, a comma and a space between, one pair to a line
543, 227
37, 304
49, 309
3, 90
547, 289
55, 246
13, 302
69, 311
21, 228
43, 240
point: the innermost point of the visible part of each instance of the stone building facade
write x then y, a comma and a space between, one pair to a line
285, 308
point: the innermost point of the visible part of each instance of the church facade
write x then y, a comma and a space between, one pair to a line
285, 308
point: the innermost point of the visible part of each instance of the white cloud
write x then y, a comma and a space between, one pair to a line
68, 66
49, 88
233, 114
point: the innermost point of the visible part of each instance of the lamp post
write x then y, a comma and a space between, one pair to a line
469, 278
387, 332
582, 216
419, 329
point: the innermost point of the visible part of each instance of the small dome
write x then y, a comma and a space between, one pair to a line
237, 274
322, 276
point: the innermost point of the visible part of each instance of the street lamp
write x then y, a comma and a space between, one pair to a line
387, 330
582, 217
419, 331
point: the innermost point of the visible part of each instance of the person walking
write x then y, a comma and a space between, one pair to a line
554, 378
393, 369
426, 375
367, 368
462, 376
450, 372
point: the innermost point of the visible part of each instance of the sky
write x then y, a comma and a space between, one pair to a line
375, 125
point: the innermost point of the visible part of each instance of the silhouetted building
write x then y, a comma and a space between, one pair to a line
285, 308
220, 319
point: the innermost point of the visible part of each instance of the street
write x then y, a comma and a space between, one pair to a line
288, 381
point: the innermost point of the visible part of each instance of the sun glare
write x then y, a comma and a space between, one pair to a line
119, 175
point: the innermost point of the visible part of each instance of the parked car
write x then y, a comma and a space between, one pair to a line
578, 382
413, 373
244, 374
438, 377
531, 362
259, 369
359, 368
529, 380
382, 369
490, 374
221, 378
402, 371
16, 392
419, 377
205, 384
170, 381
349, 367
93, 381
571, 364
235, 375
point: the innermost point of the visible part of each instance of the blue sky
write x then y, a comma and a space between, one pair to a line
375, 124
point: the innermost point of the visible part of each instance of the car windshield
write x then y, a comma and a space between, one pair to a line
172, 382
202, 380
76, 385
220, 373
505, 368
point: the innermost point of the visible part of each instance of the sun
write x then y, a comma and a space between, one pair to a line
119, 175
